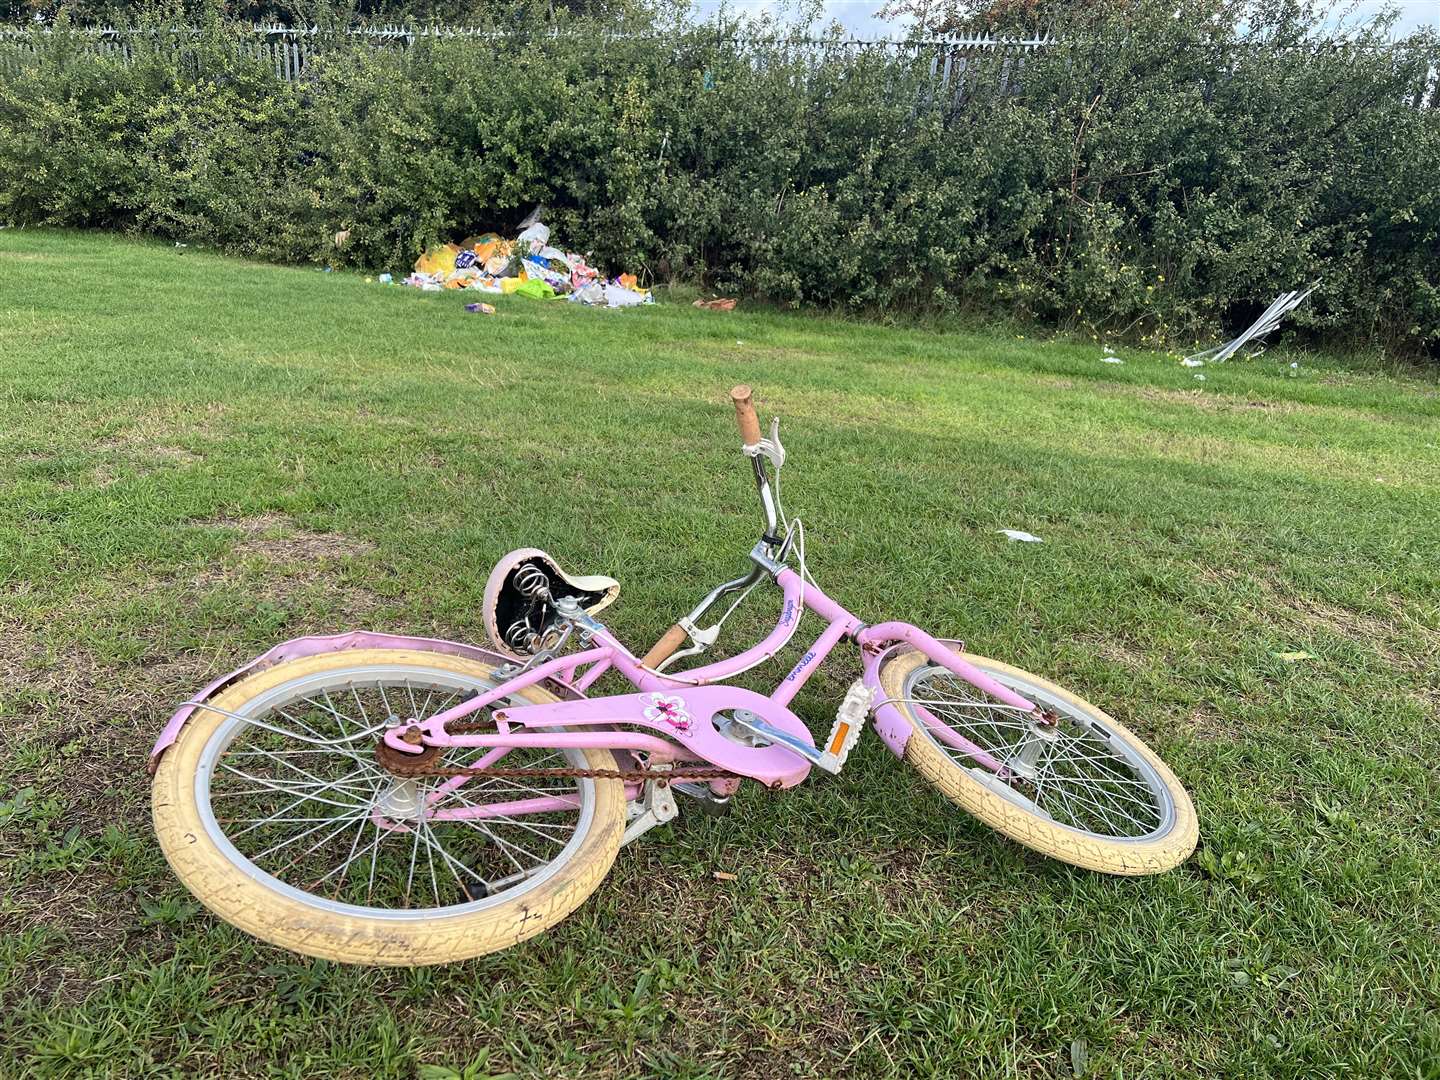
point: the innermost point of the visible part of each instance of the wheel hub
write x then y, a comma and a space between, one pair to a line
399, 763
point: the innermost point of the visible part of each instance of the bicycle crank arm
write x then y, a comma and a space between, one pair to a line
749, 721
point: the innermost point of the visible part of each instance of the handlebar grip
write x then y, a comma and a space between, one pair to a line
661, 650
745, 414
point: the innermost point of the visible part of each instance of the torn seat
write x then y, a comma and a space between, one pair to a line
520, 596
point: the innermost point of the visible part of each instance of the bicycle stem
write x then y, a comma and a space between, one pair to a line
767, 499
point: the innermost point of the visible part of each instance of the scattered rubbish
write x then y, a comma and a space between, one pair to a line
1199, 378
342, 236
1294, 370
724, 875
1111, 360
178, 244
1022, 536
480, 309
536, 290
1292, 657
385, 279
610, 294
1190, 361
718, 304
535, 236
1269, 321
529, 265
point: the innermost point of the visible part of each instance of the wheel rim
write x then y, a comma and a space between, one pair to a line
1077, 772
314, 816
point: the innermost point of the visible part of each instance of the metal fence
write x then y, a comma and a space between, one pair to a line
290, 51
953, 61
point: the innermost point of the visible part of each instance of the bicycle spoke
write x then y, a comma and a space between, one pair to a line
307, 801
1078, 776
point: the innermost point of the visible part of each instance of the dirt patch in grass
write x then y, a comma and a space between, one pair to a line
1208, 401
1310, 614
1207, 724
277, 538
1123, 654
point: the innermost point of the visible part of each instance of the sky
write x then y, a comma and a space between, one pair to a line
858, 16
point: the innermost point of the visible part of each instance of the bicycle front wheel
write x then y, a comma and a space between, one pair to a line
1076, 785
277, 811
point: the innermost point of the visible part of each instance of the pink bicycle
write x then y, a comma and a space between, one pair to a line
378, 799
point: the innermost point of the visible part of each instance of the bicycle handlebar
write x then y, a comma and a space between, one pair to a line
745, 414
661, 650
749, 423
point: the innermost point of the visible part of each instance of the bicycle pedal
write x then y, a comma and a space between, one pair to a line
849, 722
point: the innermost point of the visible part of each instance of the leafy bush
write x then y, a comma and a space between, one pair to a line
1154, 176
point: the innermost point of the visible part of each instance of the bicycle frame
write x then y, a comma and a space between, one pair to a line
680, 711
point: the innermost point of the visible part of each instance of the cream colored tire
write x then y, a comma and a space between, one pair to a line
239, 893
1111, 856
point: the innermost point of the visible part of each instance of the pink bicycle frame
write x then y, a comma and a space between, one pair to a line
679, 711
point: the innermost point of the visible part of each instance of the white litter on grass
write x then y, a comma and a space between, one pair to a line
1282, 305
1190, 361
1199, 378
1023, 537
1111, 360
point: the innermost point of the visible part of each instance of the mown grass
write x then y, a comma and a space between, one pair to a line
202, 457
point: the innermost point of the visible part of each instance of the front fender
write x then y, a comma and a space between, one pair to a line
890, 723
297, 648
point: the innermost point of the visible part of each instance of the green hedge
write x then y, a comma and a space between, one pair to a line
1154, 177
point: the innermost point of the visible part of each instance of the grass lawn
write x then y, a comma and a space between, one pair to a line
202, 457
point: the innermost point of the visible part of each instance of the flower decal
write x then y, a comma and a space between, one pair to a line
669, 708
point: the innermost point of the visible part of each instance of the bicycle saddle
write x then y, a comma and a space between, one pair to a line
520, 597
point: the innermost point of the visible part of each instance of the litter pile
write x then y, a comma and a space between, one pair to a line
525, 266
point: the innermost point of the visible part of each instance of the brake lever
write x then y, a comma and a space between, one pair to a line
700, 640
771, 447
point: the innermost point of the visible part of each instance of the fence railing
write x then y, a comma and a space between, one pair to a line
290, 50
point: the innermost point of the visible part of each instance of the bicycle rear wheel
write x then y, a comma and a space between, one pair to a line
280, 816
1078, 786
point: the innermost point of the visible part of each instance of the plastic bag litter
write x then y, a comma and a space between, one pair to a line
592, 294
538, 270
620, 296
536, 290
502, 264
438, 260
537, 236
1022, 536
599, 294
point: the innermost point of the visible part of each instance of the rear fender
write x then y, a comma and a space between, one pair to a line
297, 648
